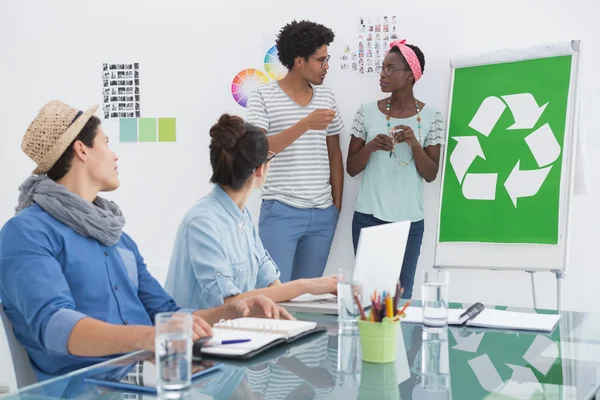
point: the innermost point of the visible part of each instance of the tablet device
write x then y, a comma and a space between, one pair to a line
142, 376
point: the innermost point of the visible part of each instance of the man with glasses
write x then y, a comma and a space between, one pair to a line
302, 196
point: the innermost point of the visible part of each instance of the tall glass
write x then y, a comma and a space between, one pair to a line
435, 298
349, 285
173, 348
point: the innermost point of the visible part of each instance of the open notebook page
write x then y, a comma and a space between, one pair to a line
286, 328
258, 340
490, 318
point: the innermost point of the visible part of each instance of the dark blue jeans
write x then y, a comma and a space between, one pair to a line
411, 254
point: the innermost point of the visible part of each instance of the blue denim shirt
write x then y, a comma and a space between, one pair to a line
217, 254
51, 277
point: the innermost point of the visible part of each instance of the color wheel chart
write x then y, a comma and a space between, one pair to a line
249, 79
275, 69
245, 82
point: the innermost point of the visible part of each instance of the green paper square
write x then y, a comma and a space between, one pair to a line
128, 129
166, 130
147, 129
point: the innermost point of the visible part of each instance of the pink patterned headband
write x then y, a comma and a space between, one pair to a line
409, 56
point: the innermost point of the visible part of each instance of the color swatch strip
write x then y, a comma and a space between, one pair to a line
147, 130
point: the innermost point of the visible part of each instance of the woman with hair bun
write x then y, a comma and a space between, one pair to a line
218, 256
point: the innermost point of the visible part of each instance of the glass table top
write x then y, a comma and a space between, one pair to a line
454, 363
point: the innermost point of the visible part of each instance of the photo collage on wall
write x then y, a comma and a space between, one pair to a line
121, 90
347, 58
374, 36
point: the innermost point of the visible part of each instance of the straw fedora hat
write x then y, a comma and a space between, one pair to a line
52, 131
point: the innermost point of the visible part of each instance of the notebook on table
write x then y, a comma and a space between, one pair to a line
263, 334
494, 319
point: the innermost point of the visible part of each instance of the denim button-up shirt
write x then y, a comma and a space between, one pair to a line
217, 254
51, 277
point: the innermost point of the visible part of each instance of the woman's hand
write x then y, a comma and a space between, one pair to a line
381, 142
260, 306
406, 135
324, 285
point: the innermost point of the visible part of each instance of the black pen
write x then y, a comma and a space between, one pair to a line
471, 313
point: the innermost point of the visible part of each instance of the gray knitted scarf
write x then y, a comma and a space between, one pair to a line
101, 220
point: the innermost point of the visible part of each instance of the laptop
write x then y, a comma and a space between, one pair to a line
380, 254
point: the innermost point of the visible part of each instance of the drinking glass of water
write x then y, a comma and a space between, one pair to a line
173, 348
349, 285
435, 298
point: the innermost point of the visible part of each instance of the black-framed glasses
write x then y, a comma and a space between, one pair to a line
324, 60
270, 156
390, 69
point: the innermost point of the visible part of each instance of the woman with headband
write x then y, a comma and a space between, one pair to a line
396, 142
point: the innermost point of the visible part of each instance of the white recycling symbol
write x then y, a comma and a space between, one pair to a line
542, 143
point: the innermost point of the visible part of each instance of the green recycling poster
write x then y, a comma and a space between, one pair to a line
502, 175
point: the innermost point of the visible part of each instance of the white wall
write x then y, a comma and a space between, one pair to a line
190, 51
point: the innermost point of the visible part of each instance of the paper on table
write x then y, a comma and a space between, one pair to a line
490, 318
257, 341
307, 297
260, 331
263, 325
515, 320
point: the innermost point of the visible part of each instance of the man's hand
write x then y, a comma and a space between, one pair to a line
338, 205
200, 329
260, 306
319, 119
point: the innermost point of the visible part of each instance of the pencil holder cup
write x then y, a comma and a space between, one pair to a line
378, 340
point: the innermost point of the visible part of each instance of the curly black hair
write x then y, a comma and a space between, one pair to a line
301, 39
418, 53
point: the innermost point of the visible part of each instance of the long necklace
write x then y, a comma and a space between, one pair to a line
389, 125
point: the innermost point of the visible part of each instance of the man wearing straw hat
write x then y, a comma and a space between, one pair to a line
74, 286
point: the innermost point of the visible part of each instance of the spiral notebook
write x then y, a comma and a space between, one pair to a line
494, 319
263, 334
